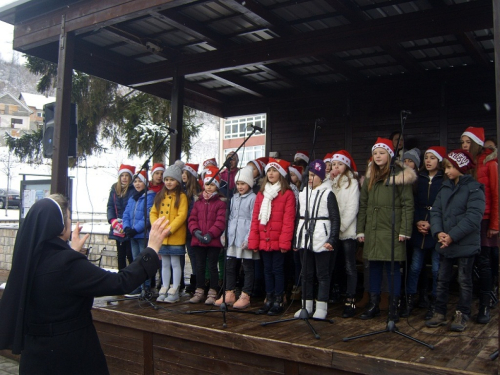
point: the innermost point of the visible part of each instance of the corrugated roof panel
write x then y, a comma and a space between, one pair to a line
276, 85
256, 36
148, 26
151, 59
327, 78
261, 77
311, 69
176, 38
198, 48
324, 23
129, 50
300, 61
101, 39
231, 91
303, 10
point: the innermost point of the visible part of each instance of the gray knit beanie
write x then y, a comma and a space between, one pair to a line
175, 172
413, 155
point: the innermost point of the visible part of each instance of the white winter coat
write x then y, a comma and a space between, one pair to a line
348, 201
318, 210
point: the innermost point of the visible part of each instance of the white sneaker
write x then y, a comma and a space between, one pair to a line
162, 294
172, 296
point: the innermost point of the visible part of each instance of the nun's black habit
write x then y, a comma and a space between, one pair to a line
45, 309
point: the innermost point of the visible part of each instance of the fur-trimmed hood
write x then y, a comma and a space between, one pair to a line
342, 180
404, 174
490, 155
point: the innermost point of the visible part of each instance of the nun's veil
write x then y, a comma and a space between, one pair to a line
43, 223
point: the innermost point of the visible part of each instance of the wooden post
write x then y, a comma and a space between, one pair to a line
62, 112
177, 116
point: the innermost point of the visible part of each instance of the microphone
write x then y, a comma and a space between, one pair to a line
258, 128
405, 112
319, 121
172, 131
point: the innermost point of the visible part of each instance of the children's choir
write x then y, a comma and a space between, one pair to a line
445, 212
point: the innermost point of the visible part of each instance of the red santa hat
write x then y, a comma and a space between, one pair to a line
476, 134
158, 167
303, 155
208, 162
280, 165
210, 172
124, 168
384, 143
260, 164
346, 158
191, 168
328, 158
297, 170
461, 160
438, 151
142, 176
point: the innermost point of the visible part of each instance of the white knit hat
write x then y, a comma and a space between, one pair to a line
246, 175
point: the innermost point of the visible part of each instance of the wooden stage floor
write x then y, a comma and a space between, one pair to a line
137, 338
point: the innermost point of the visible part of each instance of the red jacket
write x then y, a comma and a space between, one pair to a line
277, 234
487, 174
209, 217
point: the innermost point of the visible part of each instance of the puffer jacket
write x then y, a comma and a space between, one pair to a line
457, 211
375, 215
487, 174
176, 216
348, 201
427, 189
240, 218
133, 217
209, 216
324, 219
116, 207
277, 234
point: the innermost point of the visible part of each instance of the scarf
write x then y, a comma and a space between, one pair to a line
208, 196
270, 192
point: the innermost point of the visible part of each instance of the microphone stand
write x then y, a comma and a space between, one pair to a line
391, 324
223, 307
309, 224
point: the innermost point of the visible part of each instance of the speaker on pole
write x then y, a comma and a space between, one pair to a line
48, 130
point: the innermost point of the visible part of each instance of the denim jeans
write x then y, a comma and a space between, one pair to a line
464, 281
274, 271
138, 245
417, 263
319, 264
376, 273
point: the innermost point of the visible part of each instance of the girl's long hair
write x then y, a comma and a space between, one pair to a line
163, 193
355, 176
378, 174
475, 150
192, 187
119, 189
285, 185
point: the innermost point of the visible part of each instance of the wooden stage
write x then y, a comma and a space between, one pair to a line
139, 339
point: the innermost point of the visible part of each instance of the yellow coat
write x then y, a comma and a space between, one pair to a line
176, 216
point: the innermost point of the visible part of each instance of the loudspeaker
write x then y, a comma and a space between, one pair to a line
48, 130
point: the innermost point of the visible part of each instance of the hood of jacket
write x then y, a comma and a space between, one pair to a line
404, 175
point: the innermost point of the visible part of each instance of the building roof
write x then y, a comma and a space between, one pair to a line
238, 52
9, 99
36, 101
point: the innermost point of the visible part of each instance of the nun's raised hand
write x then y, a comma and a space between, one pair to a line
77, 242
159, 231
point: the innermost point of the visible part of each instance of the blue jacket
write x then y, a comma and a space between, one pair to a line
133, 217
427, 191
458, 211
116, 207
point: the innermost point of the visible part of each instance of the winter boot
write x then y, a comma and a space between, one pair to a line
459, 322
296, 293
349, 307
321, 310
408, 305
423, 300
384, 301
394, 315
372, 309
309, 308
230, 299
199, 293
483, 315
191, 287
278, 306
431, 310
267, 304
173, 295
436, 321
162, 294
363, 302
212, 295
243, 302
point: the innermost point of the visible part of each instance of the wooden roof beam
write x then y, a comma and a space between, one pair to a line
401, 56
469, 42
349, 10
339, 66
234, 81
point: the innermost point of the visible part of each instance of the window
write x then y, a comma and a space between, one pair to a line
15, 121
247, 154
237, 127
39, 114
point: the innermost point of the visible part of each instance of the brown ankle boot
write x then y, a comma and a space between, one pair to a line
243, 301
230, 299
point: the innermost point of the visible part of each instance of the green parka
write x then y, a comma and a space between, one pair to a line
375, 215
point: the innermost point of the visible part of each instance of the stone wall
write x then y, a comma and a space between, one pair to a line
101, 246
